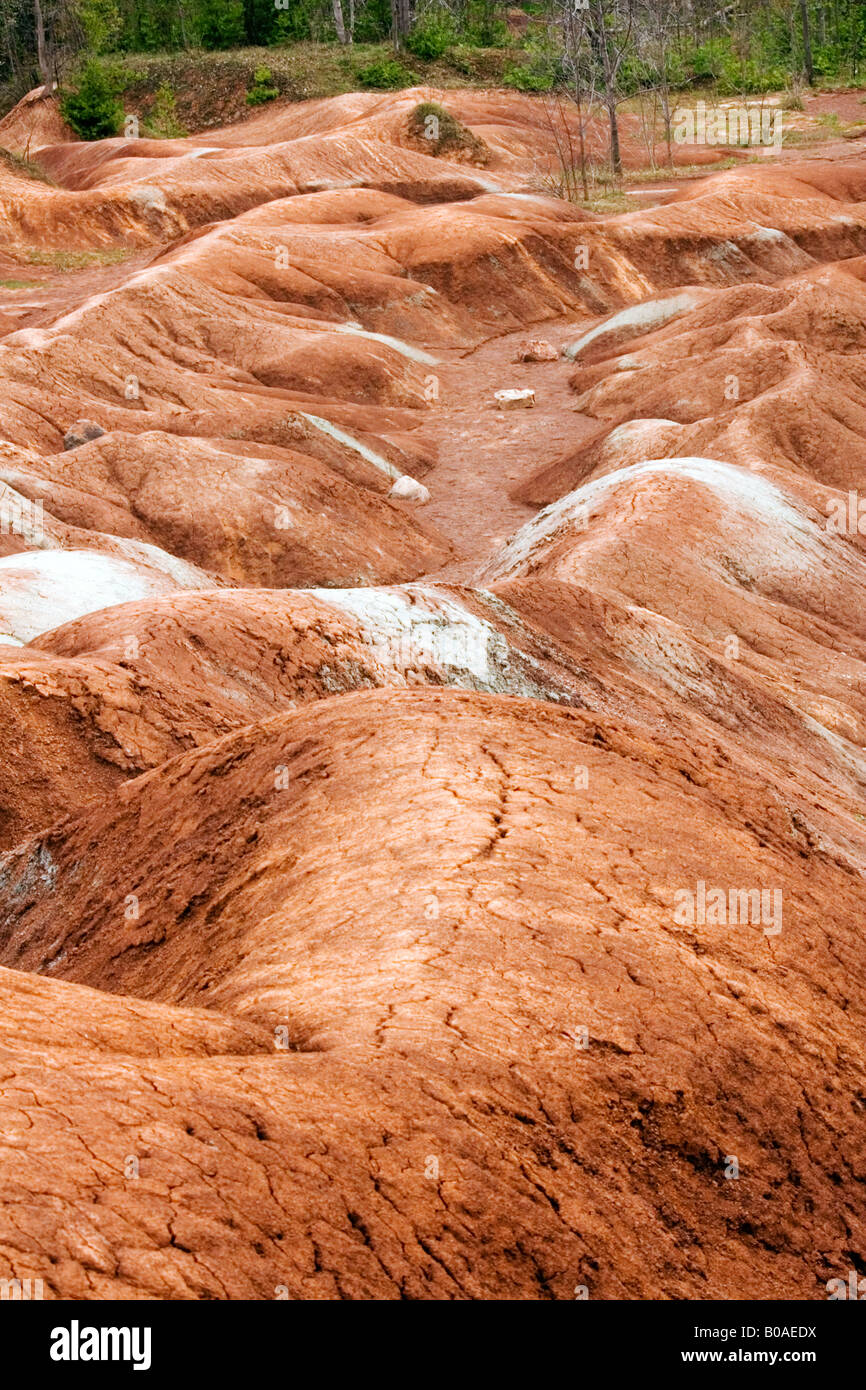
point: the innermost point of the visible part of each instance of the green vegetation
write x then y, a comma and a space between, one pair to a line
387, 73
92, 107
433, 36
27, 168
748, 46
263, 88
162, 120
443, 134
527, 78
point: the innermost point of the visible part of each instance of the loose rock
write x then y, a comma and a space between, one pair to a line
81, 433
514, 400
410, 490
536, 350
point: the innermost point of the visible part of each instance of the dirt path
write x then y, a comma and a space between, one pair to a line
484, 452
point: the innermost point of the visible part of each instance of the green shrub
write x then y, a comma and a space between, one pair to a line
716, 64
93, 109
387, 73
101, 24
539, 69
534, 78
162, 118
443, 134
302, 19
432, 37
373, 21
263, 88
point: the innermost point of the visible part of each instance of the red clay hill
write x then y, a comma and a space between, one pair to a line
433, 834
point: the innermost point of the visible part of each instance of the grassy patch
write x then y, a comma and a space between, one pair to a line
211, 88
679, 171
609, 195
435, 130
19, 284
161, 121
27, 168
792, 100
71, 260
263, 88
822, 125
608, 203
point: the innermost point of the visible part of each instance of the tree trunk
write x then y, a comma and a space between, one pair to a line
615, 156
607, 69
338, 21
807, 43
666, 117
41, 48
583, 179
401, 19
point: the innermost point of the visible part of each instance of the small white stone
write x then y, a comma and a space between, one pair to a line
514, 400
410, 490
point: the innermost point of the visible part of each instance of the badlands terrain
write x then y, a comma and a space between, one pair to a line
346, 833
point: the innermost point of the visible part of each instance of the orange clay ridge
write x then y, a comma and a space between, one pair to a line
433, 834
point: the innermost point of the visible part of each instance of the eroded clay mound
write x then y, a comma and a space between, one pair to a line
127, 687
274, 516
353, 919
244, 895
33, 123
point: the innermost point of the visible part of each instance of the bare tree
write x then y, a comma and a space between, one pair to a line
581, 84
344, 19
16, 59
655, 40
610, 34
59, 36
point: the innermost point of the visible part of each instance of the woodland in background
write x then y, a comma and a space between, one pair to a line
595, 53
